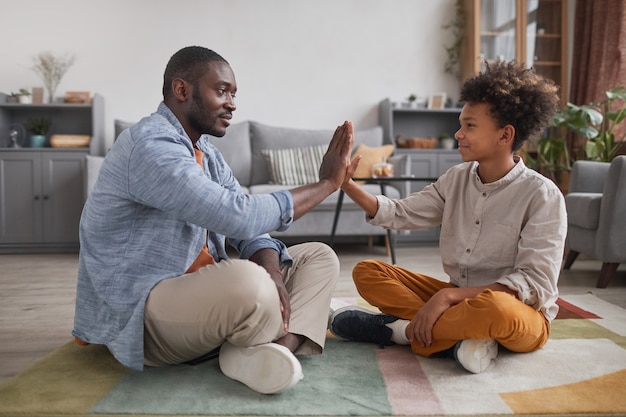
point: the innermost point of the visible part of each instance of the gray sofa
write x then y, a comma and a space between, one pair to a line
242, 146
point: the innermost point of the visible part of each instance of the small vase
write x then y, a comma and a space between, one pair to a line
37, 141
51, 89
51, 93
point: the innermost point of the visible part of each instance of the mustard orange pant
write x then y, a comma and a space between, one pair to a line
490, 315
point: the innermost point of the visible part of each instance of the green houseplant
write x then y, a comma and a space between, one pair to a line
38, 127
411, 100
602, 144
456, 26
594, 122
553, 159
22, 96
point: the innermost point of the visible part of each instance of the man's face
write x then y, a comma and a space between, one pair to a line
213, 100
479, 134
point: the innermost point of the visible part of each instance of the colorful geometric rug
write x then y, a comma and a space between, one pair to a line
581, 371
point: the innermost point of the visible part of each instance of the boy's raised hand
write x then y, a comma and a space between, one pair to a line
352, 169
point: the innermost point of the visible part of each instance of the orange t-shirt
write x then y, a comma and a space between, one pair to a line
204, 257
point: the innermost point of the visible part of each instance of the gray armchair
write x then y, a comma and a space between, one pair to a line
596, 211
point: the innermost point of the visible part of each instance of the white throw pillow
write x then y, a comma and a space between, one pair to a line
295, 166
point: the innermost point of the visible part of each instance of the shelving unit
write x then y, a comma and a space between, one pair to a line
42, 189
69, 119
425, 163
533, 32
430, 163
416, 122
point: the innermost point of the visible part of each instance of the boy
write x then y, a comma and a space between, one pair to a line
503, 229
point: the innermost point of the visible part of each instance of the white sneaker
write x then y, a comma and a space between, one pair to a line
269, 368
475, 355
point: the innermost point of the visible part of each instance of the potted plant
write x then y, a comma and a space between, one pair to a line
446, 141
24, 96
599, 120
594, 122
13, 98
553, 159
38, 127
456, 26
411, 100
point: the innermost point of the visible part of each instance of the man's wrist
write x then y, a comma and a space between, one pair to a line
276, 270
329, 186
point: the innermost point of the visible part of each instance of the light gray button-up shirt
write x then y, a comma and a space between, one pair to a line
147, 219
511, 231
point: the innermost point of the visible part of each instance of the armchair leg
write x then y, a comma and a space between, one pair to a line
571, 257
606, 274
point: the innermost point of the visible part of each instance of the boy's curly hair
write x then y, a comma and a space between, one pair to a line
516, 95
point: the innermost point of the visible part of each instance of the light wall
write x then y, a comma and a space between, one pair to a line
298, 63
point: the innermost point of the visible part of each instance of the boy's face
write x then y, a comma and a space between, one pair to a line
479, 136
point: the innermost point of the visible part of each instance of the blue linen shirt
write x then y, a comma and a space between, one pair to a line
146, 220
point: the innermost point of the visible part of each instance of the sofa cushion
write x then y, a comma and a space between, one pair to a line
295, 166
120, 126
371, 137
270, 137
583, 209
371, 156
92, 169
235, 147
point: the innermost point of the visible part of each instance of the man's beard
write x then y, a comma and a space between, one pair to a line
202, 121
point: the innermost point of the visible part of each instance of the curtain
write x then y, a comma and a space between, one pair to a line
599, 54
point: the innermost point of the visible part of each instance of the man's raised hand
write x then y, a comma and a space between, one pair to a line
337, 158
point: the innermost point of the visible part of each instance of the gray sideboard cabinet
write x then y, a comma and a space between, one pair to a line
42, 189
425, 163
42, 199
416, 122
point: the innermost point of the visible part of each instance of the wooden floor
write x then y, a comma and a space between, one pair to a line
37, 295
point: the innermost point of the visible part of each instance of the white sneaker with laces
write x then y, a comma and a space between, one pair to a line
269, 368
475, 355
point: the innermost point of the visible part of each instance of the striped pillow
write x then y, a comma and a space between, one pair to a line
295, 166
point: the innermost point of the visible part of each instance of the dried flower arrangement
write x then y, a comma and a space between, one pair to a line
51, 69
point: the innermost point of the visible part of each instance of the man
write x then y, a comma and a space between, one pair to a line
503, 230
155, 283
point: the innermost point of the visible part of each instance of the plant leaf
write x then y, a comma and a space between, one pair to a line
617, 93
592, 114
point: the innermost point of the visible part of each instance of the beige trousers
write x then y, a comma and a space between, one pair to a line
236, 301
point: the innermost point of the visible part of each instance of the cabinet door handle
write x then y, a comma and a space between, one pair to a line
36, 198
45, 197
